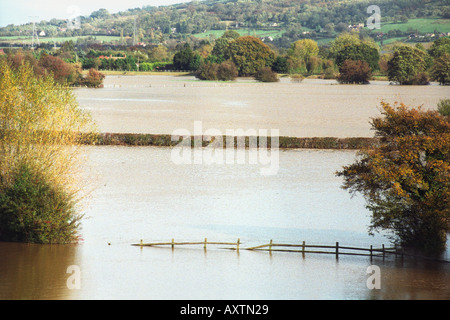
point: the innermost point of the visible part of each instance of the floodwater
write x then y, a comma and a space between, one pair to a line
313, 108
139, 193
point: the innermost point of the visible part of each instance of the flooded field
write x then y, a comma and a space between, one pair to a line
140, 193
313, 108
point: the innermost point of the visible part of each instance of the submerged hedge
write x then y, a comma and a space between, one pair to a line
165, 140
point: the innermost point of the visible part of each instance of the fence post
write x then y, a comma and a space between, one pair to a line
173, 243
237, 244
270, 246
204, 245
142, 242
337, 250
370, 252
382, 246
303, 249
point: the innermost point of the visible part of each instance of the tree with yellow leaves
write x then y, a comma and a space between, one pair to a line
40, 127
406, 179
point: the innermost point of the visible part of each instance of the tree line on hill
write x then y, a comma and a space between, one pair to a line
158, 24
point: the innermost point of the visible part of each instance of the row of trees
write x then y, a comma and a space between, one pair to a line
348, 58
62, 72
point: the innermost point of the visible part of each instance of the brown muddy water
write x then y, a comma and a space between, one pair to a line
313, 108
140, 193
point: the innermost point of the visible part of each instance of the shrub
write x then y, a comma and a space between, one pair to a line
33, 210
265, 74
62, 72
444, 107
227, 71
224, 71
94, 79
207, 71
354, 72
297, 78
422, 78
39, 185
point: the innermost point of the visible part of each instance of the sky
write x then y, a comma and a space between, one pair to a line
20, 11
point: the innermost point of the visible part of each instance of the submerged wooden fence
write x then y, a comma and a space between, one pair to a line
302, 248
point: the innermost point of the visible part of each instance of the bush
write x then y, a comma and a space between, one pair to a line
297, 78
422, 78
33, 210
94, 79
39, 186
444, 107
62, 72
227, 71
207, 71
354, 72
265, 74
212, 71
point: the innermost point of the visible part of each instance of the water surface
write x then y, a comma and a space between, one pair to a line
138, 193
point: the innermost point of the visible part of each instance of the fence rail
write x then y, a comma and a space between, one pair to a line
302, 248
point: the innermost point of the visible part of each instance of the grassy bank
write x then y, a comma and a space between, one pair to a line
165, 140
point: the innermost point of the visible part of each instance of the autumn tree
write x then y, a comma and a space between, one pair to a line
250, 54
93, 79
62, 71
352, 71
406, 178
40, 126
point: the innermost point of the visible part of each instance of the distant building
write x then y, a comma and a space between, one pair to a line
111, 57
356, 26
42, 33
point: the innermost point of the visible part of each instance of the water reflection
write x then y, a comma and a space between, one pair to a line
36, 271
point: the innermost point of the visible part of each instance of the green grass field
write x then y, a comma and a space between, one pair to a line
421, 25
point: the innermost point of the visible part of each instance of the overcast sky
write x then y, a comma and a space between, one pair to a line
19, 11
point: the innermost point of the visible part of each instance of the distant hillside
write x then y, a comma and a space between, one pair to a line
281, 21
